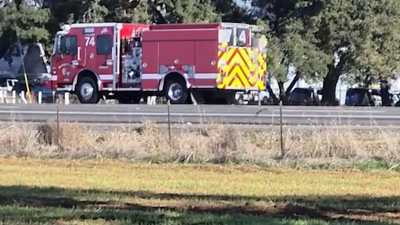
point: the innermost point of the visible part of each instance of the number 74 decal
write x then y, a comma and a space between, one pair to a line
90, 41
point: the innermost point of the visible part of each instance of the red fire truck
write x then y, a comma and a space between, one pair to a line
201, 63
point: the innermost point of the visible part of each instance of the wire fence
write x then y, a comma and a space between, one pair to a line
170, 126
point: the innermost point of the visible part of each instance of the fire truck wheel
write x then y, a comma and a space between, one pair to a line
87, 91
176, 92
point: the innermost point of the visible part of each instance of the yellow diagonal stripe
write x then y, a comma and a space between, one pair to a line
240, 77
246, 68
245, 56
237, 64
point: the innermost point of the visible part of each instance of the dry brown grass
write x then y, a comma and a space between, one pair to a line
214, 143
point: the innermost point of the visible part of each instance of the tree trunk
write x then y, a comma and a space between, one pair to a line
386, 101
282, 93
291, 85
331, 80
275, 99
329, 86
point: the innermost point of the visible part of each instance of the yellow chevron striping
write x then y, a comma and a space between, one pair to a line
239, 77
229, 60
236, 78
228, 54
243, 78
236, 84
252, 80
245, 56
245, 68
239, 69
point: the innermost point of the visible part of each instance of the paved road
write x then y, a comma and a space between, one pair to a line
210, 113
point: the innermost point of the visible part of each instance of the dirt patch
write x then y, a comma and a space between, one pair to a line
366, 216
287, 211
43, 202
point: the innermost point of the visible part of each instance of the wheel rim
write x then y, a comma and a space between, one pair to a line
175, 91
86, 91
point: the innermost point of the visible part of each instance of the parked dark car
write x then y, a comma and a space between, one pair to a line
360, 97
303, 96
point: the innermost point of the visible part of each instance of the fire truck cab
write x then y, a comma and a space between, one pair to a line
183, 62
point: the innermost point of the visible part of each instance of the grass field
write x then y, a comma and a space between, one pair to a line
110, 192
208, 176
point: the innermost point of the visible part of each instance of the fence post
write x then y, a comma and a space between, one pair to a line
23, 98
54, 97
169, 120
58, 127
5, 96
66, 98
281, 130
14, 97
151, 100
169, 129
2, 97
39, 97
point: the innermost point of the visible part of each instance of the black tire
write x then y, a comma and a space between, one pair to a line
182, 99
84, 83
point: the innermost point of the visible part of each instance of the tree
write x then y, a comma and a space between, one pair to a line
291, 43
364, 36
133, 11
26, 22
95, 12
231, 11
187, 11
356, 38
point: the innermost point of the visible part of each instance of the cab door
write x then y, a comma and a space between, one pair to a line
98, 52
66, 58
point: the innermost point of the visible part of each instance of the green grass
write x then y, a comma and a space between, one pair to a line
110, 192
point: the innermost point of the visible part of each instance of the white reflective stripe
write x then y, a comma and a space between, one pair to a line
199, 76
205, 76
106, 76
102, 77
154, 76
